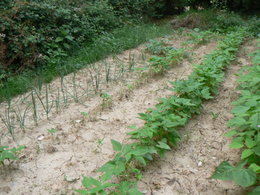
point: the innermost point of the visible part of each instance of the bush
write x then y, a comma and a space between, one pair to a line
33, 32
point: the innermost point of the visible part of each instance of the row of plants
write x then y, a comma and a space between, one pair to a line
160, 131
245, 131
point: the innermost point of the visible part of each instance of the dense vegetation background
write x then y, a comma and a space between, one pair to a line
38, 33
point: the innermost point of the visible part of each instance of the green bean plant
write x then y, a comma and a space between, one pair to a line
245, 130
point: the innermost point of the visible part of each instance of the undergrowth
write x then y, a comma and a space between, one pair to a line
160, 131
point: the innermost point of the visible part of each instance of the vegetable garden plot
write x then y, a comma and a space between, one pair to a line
160, 130
188, 168
73, 145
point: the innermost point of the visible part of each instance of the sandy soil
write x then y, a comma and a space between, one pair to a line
53, 163
188, 168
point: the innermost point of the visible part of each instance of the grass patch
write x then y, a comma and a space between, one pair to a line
106, 44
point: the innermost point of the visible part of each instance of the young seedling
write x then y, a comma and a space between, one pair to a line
8, 121
84, 114
47, 106
57, 101
107, 71
35, 115
215, 115
75, 92
106, 100
131, 62
95, 79
21, 116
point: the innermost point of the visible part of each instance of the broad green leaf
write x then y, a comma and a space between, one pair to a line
244, 177
230, 133
236, 121
116, 145
254, 119
257, 150
87, 182
223, 171
255, 167
163, 145
246, 153
250, 143
236, 145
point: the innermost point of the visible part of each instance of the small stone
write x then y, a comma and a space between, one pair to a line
103, 118
72, 177
200, 164
77, 121
40, 137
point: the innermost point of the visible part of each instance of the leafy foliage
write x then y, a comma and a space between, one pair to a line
9, 154
245, 129
160, 130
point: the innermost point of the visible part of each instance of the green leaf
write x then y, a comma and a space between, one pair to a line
59, 39
87, 182
236, 145
52, 130
257, 150
238, 110
82, 191
246, 153
244, 177
255, 167
163, 145
250, 143
116, 145
254, 120
205, 94
236, 121
141, 160
230, 133
223, 171
134, 191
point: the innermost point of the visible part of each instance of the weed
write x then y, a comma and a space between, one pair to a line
106, 100
52, 131
84, 114
215, 115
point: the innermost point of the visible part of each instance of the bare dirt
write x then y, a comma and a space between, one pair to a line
53, 163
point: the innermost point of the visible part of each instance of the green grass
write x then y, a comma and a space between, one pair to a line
109, 43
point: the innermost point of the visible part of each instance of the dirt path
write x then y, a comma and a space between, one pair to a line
54, 162
187, 169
